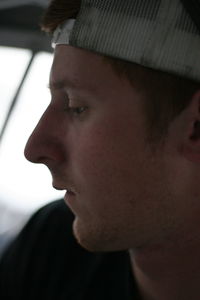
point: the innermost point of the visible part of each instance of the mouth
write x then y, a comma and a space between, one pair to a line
68, 190
69, 197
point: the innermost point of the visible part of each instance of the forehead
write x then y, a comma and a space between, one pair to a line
80, 68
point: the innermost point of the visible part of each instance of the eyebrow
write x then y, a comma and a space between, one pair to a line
63, 83
60, 84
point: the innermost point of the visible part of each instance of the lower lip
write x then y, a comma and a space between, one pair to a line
69, 196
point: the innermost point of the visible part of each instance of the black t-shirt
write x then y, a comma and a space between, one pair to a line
46, 262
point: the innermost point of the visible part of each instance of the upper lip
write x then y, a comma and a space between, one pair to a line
69, 189
58, 188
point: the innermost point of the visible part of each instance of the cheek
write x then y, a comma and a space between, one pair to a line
93, 156
107, 158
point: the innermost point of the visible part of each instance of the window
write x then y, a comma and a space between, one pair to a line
13, 63
23, 186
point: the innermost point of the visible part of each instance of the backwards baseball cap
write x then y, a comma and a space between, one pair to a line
158, 34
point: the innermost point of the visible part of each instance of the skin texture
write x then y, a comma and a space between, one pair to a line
127, 193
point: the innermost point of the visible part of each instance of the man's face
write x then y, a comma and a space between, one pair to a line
92, 137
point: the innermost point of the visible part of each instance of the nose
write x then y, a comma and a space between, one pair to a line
45, 144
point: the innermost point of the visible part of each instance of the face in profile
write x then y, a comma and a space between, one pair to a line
93, 139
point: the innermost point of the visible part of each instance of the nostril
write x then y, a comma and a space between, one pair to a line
196, 131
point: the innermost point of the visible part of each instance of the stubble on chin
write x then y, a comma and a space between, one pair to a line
86, 236
96, 237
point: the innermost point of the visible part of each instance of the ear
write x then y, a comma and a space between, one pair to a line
191, 141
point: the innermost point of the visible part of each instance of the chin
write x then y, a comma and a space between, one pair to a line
95, 238
86, 237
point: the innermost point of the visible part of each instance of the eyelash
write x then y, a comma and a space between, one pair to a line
76, 111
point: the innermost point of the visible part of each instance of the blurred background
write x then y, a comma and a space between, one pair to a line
25, 62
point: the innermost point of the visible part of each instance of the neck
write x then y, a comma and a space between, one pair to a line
168, 271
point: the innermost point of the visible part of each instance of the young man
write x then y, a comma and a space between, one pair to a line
122, 136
